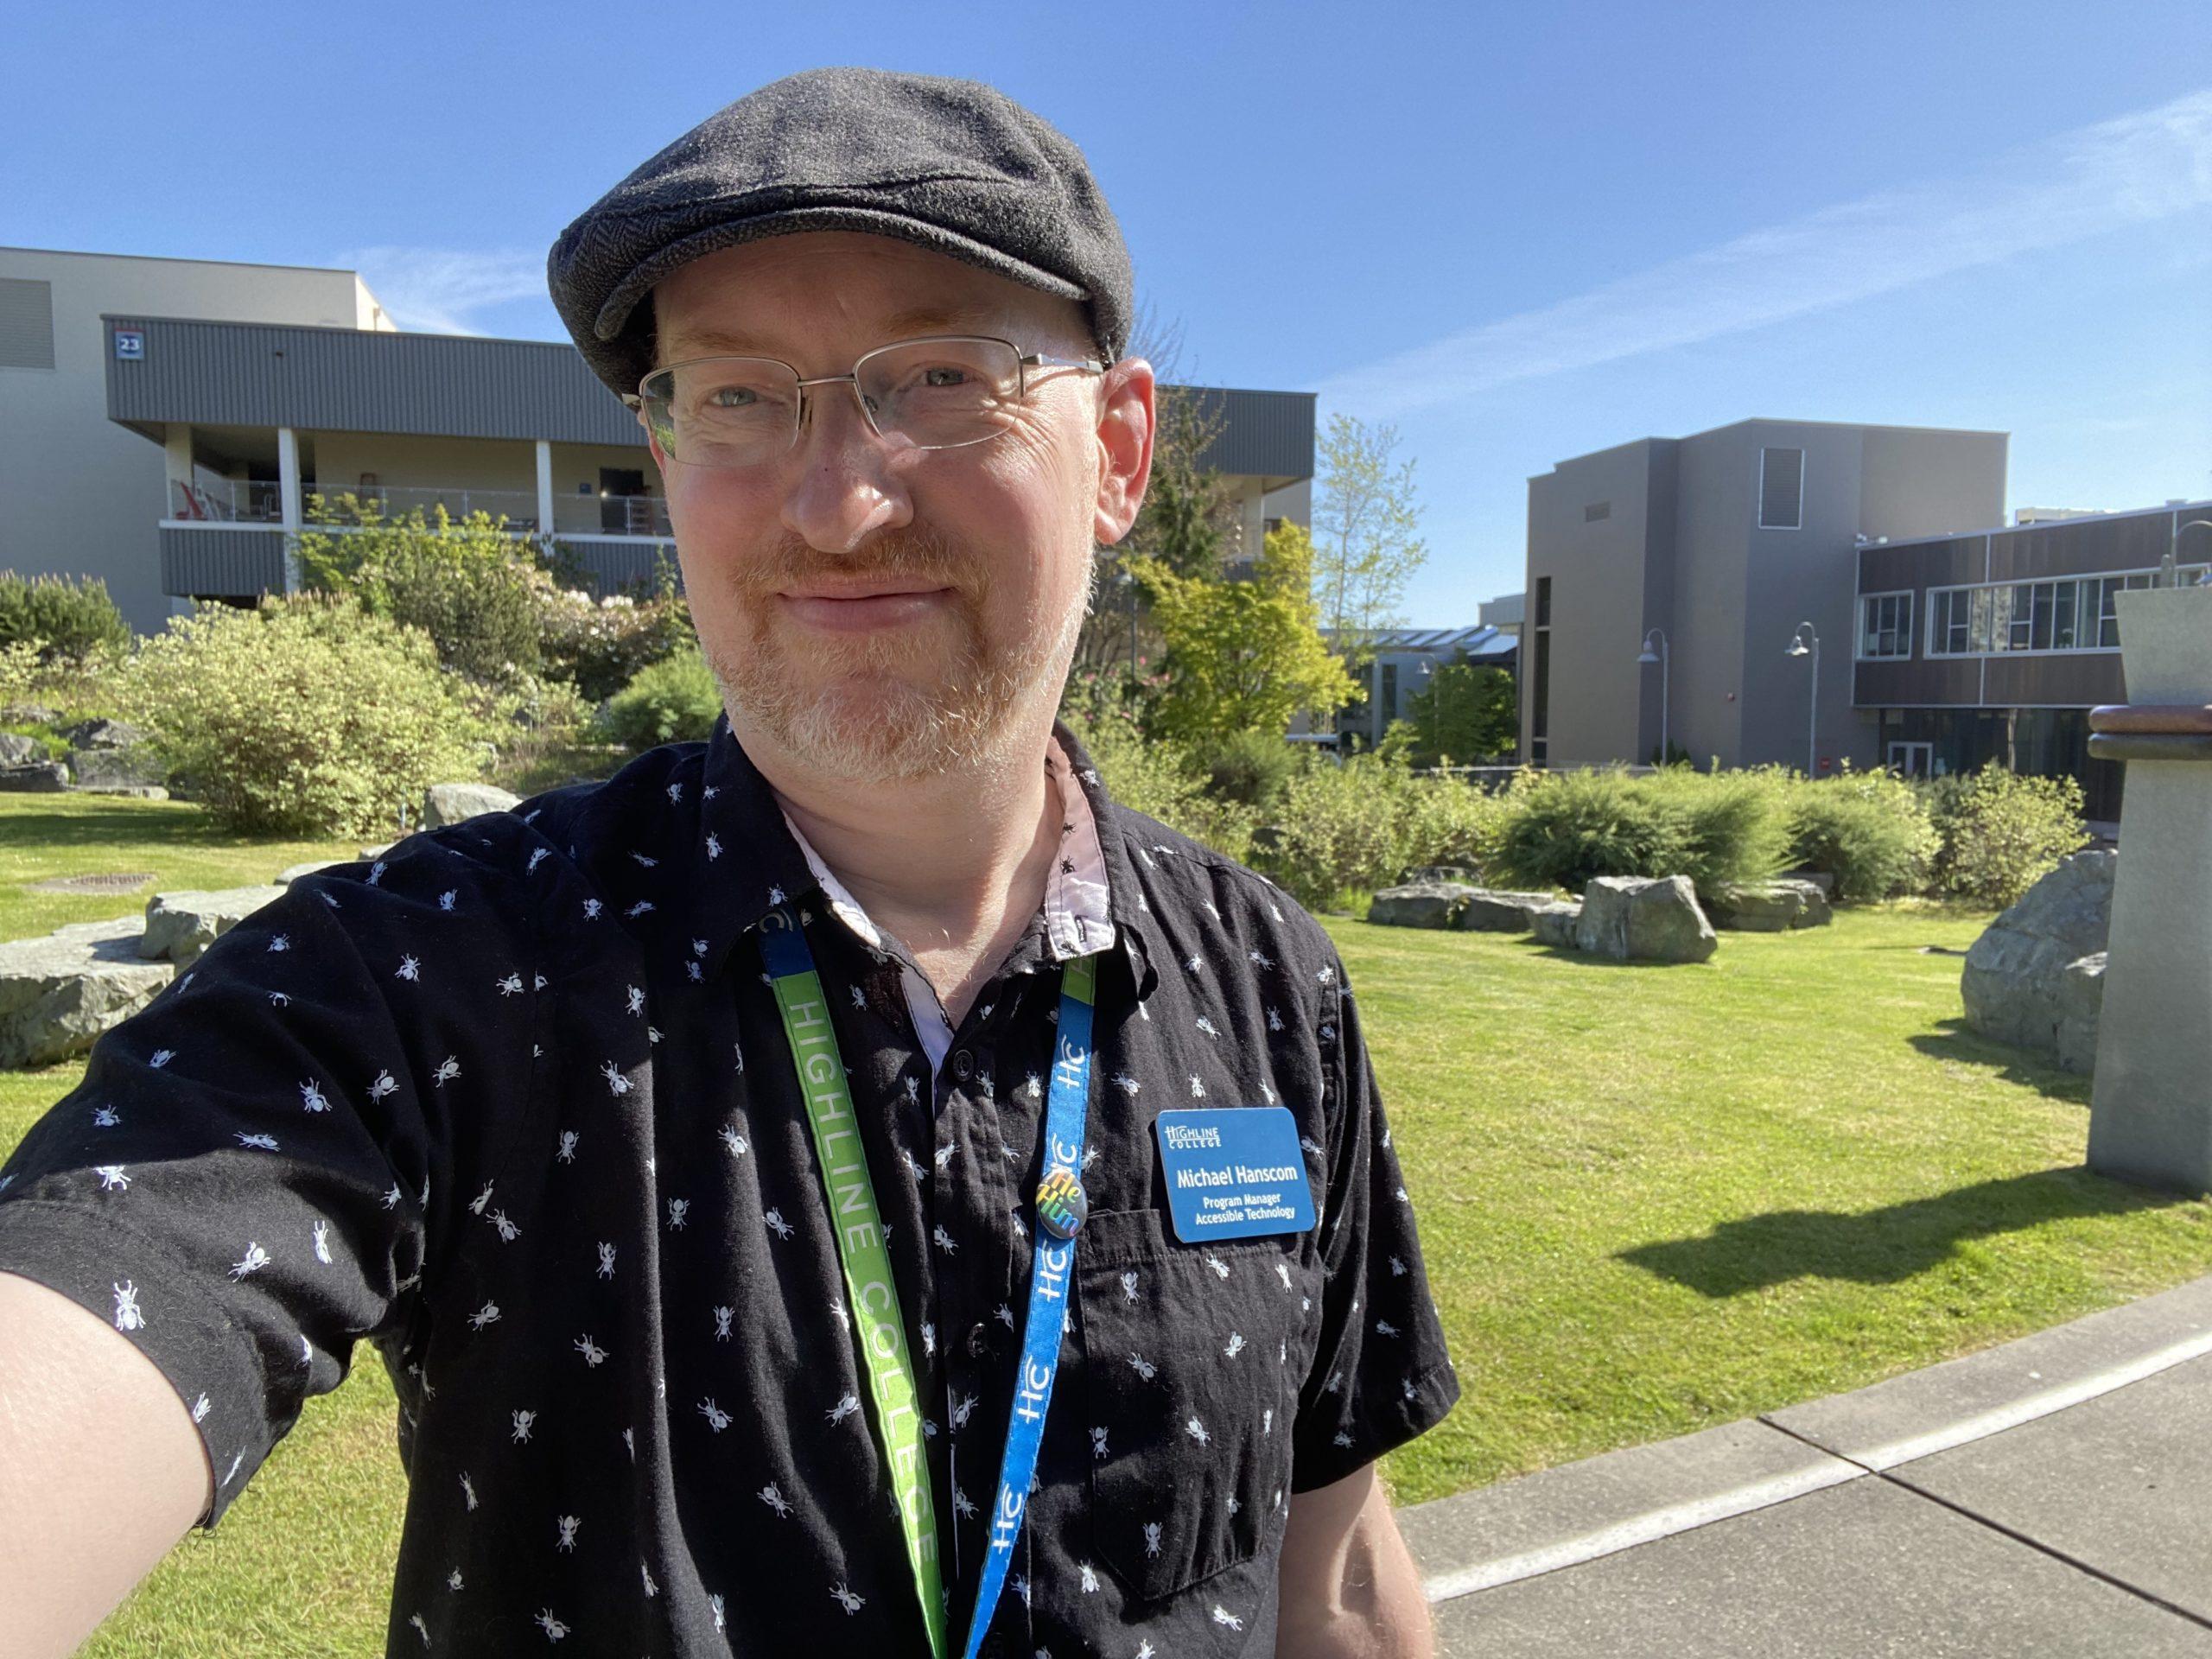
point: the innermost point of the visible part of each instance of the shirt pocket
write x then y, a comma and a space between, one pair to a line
1192, 1355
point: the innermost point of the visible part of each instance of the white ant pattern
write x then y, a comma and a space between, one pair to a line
678, 1209
112, 1177
772, 1495
846, 1598
568, 1524
722, 1324
567, 1155
522, 1420
605, 1260
554, 1628
846, 1405
322, 1242
777, 1225
312, 1097
592, 1353
255, 1259
717, 1419
267, 1143
488, 1314
127, 1316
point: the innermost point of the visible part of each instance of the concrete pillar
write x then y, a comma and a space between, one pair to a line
176, 461
545, 495
287, 499
2151, 1117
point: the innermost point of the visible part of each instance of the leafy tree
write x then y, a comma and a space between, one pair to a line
1365, 540
1242, 655
1468, 713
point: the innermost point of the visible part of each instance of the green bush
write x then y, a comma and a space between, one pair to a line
599, 645
305, 717
1444, 820
1251, 768
673, 701
477, 592
68, 621
1563, 830
1868, 830
2000, 833
1156, 777
1726, 827
1340, 829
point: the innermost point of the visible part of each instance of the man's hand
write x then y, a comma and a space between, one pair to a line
1349, 1590
101, 1470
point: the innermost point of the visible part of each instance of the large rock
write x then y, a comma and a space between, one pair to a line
37, 777
180, 925
452, 803
17, 750
1429, 874
59, 991
1771, 906
1426, 904
116, 768
1488, 911
104, 734
1554, 924
2013, 984
1637, 918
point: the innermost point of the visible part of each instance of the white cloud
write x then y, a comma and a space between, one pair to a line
2151, 165
436, 289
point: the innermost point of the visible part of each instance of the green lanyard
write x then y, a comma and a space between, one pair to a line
870, 1292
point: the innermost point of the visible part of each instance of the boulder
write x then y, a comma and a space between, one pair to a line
38, 778
17, 750
116, 768
1554, 924
1428, 904
28, 714
451, 803
59, 991
1638, 918
2013, 984
1488, 911
180, 925
1824, 880
130, 791
2081, 1000
1429, 874
104, 734
1771, 906
292, 873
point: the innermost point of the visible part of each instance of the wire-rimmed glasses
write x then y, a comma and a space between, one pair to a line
944, 391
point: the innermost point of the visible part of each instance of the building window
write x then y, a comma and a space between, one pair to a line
1389, 698
1596, 510
1885, 626
2067, 613
1782, 489
1543, 602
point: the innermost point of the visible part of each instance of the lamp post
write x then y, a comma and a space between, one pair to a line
1797, 648
2174, 549
1666, 750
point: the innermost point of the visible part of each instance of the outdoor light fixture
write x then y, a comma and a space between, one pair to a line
2204, 581
1647, 659
1798, 647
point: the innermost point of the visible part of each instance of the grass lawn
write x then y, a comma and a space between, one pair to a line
1652, 1199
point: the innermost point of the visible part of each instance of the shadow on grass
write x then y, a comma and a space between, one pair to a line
1885, 1246
1954, 1040
1591, 959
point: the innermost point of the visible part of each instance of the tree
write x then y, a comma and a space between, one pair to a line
1243, 656
1366, 548
1468, 712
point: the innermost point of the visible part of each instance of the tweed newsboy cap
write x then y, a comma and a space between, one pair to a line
952, 165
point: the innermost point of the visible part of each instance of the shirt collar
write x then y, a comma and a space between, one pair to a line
749, 859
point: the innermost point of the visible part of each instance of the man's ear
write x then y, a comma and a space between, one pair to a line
1125, 429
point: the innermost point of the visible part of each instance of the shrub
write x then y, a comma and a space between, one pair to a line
2001, 832
674, 701
1158, 778
1251, 768
1340, 829
599, 645
1443, 820
305, 717
476, 591
68, 621
1868, 830
1724, 827
1563, 830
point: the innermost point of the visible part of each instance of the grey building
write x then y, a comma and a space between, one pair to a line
1399, 664
1994, 644
1714, 548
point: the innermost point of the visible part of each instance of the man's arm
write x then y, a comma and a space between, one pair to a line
101, 1470
1349, 1589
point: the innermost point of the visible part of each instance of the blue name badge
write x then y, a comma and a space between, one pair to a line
1236, 1174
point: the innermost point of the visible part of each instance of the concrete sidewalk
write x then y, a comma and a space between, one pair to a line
2049, 1498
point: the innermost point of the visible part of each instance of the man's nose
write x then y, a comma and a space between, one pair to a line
848, 483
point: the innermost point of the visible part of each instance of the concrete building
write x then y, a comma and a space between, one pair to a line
1400, 662
1724, 543
170, 426
1994, 644
1508, 614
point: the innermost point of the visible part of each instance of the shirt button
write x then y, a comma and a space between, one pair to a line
979, 1341
963, 1065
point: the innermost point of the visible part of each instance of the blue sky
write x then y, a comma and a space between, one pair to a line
1521, 232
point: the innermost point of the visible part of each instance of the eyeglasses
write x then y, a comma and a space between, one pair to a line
942, 392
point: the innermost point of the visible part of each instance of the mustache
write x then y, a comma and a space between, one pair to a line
907, 553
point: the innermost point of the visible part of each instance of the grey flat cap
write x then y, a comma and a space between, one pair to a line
952, 165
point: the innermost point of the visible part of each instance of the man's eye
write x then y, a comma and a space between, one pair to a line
944, 377
732, 396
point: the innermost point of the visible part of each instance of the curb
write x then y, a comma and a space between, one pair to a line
1584, 1511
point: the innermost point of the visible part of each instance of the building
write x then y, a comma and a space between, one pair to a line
1707, 554
1400, 661
1994, 644
1508, 614
172, 425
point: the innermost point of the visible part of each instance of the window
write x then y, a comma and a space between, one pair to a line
1543, 602
1782, 489
1596, 510
2068, 614
1885, 626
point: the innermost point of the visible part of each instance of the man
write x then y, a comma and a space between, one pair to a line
699, 1149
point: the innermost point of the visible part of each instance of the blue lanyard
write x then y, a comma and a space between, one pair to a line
1060, 1210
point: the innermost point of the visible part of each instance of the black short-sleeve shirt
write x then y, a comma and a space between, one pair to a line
513, 1102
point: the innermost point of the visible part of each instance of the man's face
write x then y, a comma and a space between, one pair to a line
976, 561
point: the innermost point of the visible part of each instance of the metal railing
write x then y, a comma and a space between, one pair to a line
236, 501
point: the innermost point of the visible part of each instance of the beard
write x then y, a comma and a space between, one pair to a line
892, 703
